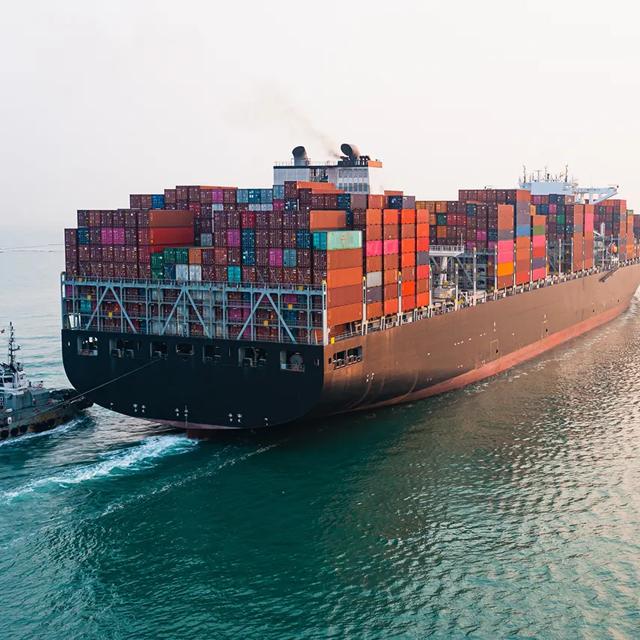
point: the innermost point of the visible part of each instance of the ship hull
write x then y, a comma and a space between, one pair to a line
401, 364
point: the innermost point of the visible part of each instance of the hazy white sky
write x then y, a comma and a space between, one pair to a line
99, 99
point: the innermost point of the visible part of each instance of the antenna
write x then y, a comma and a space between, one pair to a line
13, 348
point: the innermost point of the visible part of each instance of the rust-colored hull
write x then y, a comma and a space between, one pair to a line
453, 350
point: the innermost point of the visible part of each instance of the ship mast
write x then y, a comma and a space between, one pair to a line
13, 348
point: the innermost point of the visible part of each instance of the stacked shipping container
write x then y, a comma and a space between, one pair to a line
371, 251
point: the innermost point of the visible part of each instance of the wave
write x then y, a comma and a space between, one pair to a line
204, 472
138, 457
18, 440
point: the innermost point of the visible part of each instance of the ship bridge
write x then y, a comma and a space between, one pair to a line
351, 172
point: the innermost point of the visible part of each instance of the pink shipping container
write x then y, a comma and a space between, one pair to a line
118, 235
539, 274
538, 241
233, 237
390, 247
106, 235
275, 257
374, 248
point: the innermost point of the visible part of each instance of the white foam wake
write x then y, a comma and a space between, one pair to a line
18, 440
138, 457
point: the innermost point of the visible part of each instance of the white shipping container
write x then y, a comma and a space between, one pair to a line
195, 273
374, 279
182, 272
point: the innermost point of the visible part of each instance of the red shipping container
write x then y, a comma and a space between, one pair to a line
170, 236
408, 302
340, 296
408, 288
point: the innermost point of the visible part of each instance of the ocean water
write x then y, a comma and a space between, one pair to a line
508, 509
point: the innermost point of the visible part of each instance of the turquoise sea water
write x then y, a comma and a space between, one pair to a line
509, 509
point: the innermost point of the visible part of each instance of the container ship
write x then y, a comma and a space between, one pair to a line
212, 307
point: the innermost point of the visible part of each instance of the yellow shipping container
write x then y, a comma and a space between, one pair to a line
505, 269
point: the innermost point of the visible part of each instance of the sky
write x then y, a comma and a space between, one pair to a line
102, 99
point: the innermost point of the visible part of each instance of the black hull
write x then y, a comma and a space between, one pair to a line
401, 364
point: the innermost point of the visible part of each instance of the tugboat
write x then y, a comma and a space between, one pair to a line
27, 407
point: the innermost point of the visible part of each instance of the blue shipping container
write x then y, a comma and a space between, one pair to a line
234, 274
83, 235
303, 239
157, 201
289, 258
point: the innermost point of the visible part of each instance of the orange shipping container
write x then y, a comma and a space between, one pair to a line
408, 216
344, 258
373, 217
374, 232
422, 244
422, 230
390, 276
408, 288
375, 201
344, 314
374, 310
408, 273
408, 245
422, 216
390, 306
374, 263
390, 292
327, 219
344, 277
391, 261
422, 299
505, 281
195, 255
505, 269
408, 259
422, 286
390, 217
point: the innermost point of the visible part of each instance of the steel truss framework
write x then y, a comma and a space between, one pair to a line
195, 308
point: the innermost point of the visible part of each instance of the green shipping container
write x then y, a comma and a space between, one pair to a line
169, 255
342, 239
157, 261
182, 256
